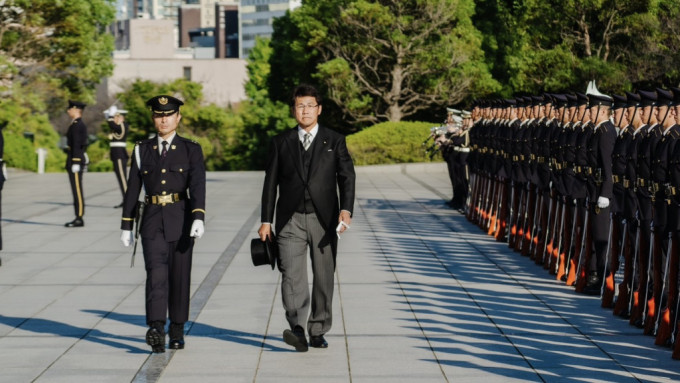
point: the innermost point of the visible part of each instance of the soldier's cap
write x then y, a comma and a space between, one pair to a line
560, 100
519, 101
600, 100
528, 101
664, 97
619, 101
537, 100
647, 98
633, 99
548, 97
572, 99
466, 114
76, 104
510, 102
676, 95
164, 104
581, 99
452, 111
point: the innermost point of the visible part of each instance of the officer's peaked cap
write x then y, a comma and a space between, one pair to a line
619, 101
647, 98
664, 97
76, 104
164, 104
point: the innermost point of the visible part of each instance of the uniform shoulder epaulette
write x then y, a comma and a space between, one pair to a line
675, 134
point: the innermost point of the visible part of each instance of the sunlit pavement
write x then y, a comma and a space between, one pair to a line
421, 296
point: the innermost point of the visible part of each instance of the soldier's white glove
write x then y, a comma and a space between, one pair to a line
602, 202
197, 229
4, 170
75, 168
127, 238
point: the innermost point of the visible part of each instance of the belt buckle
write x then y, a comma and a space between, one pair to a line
165, 198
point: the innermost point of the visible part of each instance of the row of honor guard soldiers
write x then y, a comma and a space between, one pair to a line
453, 140
588, 186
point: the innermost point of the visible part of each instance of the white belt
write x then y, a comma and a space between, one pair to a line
118, 144
459, 149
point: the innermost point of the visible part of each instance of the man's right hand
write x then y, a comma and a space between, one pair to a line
126, 237
265, 231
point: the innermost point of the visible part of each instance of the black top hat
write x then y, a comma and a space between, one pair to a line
164, 104
264, 252
76, 104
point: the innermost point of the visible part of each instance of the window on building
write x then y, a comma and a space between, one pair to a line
187, 73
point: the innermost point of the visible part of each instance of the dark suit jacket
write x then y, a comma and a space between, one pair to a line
331, 170
182, 170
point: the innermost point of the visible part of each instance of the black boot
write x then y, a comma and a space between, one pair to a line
78, 222
593, 284
176, 333
155, 337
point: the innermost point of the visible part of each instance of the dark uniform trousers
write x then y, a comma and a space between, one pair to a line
118, 152
165, 227
76, 138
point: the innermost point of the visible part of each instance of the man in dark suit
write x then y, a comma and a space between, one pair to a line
306, 164
76, 140
167, 167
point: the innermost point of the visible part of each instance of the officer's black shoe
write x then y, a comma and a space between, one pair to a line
155, 337
118, 206
78, 222
296, 338
176, 334
318, 341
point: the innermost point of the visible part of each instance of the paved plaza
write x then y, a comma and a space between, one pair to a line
421, 296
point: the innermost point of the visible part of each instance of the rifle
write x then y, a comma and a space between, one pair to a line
559, 243
538, 212
138, 222
585, 248
607, 254
662, 333
634, 295
650, 258
549, 233
511, 211
609, 293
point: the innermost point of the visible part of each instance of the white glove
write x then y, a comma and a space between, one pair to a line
602, 202
4, 171
197, 229
127, 238
75, 168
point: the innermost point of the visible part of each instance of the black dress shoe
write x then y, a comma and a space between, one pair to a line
78, 222
318, 341
176, 344
296, 338
118, 206
176, 334
156, 339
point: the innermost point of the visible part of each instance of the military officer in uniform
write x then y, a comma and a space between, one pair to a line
76, 141
171, 171
118, 141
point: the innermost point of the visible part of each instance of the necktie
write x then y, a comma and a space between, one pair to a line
164, 152
307, 140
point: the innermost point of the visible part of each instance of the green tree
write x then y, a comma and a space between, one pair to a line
58, 48
262, 117
388, 60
